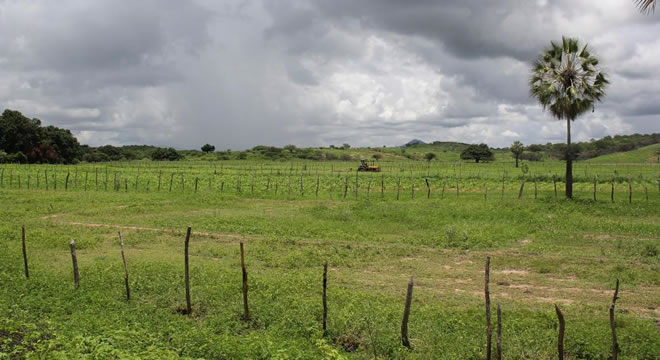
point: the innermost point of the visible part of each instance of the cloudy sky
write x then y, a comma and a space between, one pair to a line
316, 72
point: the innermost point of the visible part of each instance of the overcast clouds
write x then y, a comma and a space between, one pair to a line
313, 73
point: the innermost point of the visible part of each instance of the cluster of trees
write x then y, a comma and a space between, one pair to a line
583, 150
478, 153
24, 140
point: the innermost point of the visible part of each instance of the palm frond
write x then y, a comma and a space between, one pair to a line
645, 6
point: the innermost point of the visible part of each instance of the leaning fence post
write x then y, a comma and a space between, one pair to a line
629, 191
489, 331
615, 344
246, 311
498, 351
325, 299
522, 186
406, 314
612, 192
560, 338
123, 258
187, 273
25, 260
74, 259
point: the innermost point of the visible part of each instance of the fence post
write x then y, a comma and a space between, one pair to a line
428, 189
629, 190
406, 313
522, 186
498, 351
187, 273
74, 260
615, 344
123, 258
25, 259
325, 298
489, 331
560, 338
246, 311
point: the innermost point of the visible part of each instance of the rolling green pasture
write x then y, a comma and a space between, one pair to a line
375, 234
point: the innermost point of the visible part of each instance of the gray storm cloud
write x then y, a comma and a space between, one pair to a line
316, 72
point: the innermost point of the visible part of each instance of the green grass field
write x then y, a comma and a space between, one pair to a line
544, 251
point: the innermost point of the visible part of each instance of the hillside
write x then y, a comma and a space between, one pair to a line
647, 154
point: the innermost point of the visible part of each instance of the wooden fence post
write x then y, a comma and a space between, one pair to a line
187, 272
25, 259
406, 313
629, 190
382, 186
398, 187
428, 189
196, 182
325, 298
246, 311
123, 258
612, 192
74, 259
498, 351
595, 185
615, 344
560, 338
522, 186
489, 330
554, 181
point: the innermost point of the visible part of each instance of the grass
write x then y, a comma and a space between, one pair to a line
545, 251
646, 154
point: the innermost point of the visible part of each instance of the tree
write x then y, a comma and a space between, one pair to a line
646, 6
377, 156
168, 154
477, 153
429, 156
346, 146
567, 81
517, 149
208, 148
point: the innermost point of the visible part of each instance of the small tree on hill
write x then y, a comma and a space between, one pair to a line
477, 153
429, 156
377, 156
208, 148
517, 149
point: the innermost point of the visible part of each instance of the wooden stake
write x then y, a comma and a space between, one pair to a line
612, 192
325, 298
615, 344
25, 259
187, 274
74, 259
560, 339
123, 258
489, 330
498, 351
554, 180
522, 186
246, 311
428, 189
629, 191
406, 313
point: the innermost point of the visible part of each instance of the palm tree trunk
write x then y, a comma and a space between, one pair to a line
516, 160
569, 161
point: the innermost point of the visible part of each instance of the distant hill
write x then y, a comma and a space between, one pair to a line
415, 142
646, 154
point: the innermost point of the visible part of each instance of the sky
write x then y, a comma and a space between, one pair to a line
237, 74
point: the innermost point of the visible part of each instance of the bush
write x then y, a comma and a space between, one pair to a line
169, 154
531, 156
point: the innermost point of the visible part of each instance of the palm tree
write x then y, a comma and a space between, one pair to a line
566, 80
646, 6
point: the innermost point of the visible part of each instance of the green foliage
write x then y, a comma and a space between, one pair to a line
430, 156
169, 154
208, 148
478, 153
27, 141
566, 79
